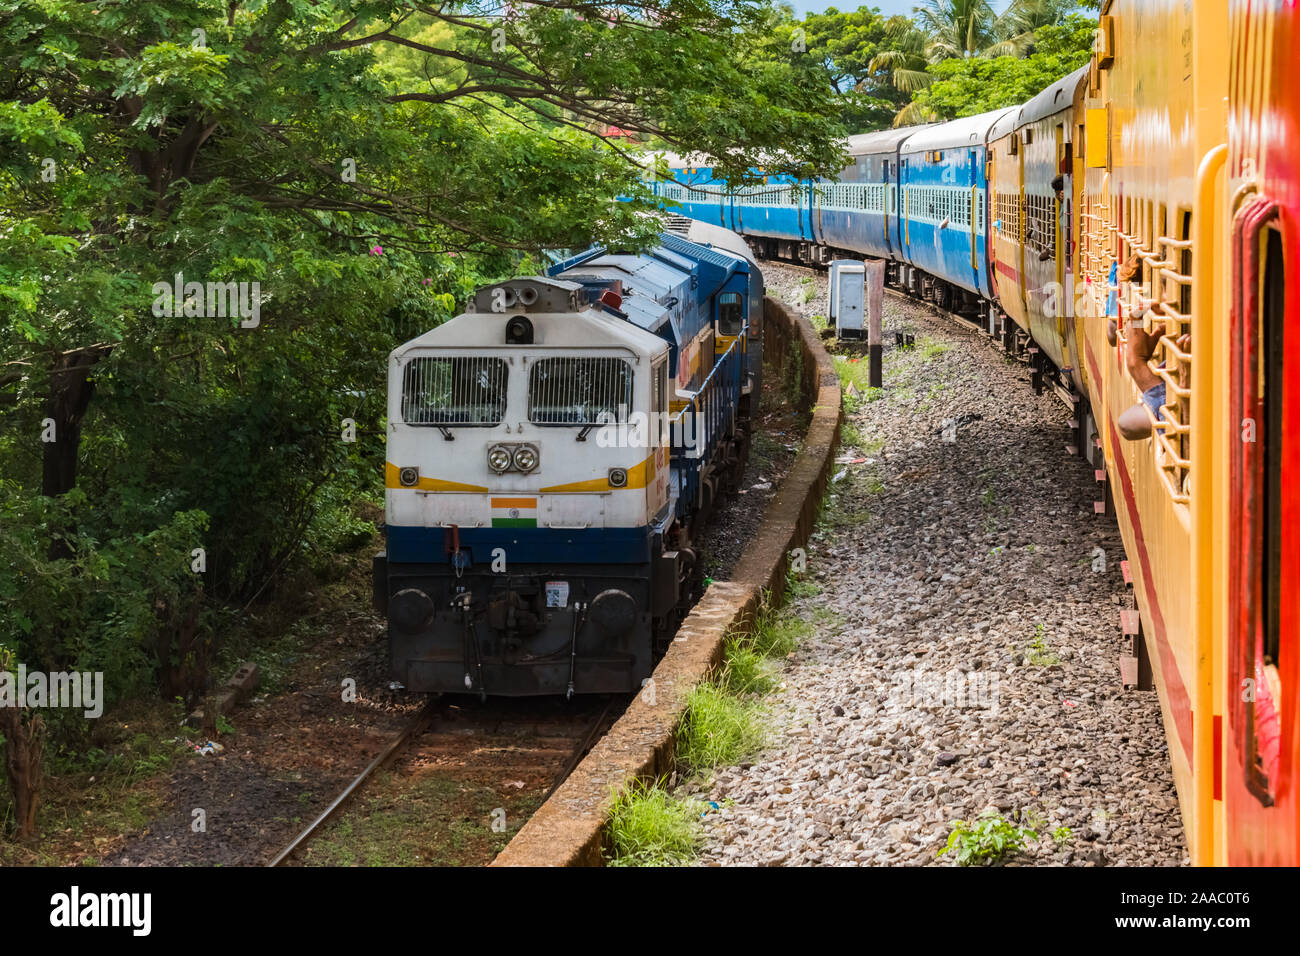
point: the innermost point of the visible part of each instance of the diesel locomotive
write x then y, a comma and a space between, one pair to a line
553, 454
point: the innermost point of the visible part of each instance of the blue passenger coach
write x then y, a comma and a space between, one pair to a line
859, 213
943, 191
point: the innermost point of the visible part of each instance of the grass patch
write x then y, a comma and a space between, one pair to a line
649, 827
778, 635
428, 819
853, 371
717, 729
723, 724
797, 586
841, 509
745, 671
807, 289
931, 349
844, 520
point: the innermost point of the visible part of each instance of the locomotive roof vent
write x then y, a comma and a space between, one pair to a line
528, 293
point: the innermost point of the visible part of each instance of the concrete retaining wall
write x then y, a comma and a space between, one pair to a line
569, 828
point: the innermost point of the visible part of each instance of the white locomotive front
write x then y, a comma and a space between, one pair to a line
535, 541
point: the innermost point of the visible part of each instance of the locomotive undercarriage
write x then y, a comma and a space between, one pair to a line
554, 629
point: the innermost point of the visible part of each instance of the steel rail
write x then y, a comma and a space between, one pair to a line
414, 729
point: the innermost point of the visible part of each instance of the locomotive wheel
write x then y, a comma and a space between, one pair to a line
692, 580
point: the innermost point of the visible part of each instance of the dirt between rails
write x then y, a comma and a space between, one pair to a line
457, 794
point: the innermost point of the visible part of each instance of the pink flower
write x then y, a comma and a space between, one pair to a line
376, 250
426, 282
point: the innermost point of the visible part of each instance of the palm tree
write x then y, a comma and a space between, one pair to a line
944, 29
907, 59
966, 28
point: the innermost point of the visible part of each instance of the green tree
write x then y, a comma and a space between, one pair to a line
835, 49
366, 163
965, 87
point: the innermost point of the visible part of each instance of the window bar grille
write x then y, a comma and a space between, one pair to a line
576, 391
460, 390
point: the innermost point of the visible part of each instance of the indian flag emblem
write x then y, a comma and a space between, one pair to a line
514, 512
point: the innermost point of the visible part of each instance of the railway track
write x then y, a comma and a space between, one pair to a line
497, 736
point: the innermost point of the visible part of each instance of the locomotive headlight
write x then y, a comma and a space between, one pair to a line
525, 458
617, 477
499, 458
409, 477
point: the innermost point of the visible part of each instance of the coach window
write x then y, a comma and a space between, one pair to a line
1185, 262
731, 313
579, 391
456, 391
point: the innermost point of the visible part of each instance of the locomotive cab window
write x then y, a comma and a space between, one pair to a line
731, 313
460, 390
579, 391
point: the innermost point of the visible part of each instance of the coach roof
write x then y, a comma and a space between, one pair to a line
883, 141
968, 131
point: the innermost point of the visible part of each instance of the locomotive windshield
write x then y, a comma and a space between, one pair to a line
731, 317
579, 391
462, 390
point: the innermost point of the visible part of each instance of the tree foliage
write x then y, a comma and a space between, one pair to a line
967, 86
880, 67
366, 163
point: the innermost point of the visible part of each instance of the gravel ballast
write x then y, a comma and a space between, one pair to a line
964, 653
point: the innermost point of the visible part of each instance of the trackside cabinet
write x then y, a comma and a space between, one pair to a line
848, 298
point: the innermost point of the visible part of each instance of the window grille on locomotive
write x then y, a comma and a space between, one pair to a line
579, 391
461, 390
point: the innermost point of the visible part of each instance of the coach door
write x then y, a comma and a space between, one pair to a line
1263, 561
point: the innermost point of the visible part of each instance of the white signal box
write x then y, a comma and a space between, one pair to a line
848, 298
